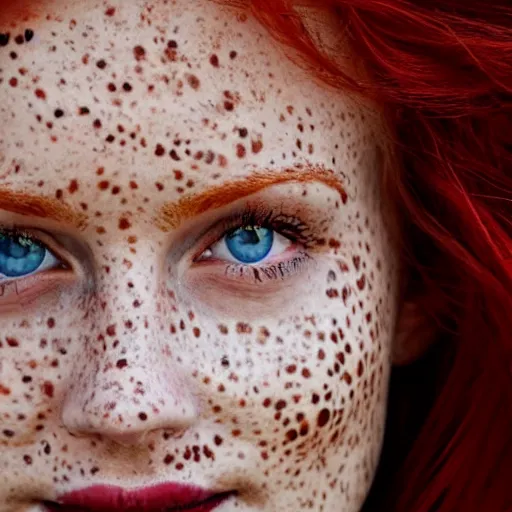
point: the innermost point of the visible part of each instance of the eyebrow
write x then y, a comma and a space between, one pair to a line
33, 205
173, 214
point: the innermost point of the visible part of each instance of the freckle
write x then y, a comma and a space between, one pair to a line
304, 428
48, 389
281, 404
121, 363
40, 94
243, 328
291, 435
240, 150
222, 160
193, 81
323, 417
139, 52
256, 146
124, 223
306, 373
214, 61
4, 39
347, 378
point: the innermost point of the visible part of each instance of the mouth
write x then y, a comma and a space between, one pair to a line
169, 497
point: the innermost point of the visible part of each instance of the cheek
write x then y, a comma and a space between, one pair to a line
312, 386
38, 352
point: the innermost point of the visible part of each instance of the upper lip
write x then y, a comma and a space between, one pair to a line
165, 497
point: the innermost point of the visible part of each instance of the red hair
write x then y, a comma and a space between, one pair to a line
442, 70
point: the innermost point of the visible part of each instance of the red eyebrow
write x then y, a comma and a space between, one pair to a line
33, 205
172, 214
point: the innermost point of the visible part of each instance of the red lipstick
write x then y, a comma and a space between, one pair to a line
160, 498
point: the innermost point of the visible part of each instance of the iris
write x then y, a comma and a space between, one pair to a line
20, 255
250, 244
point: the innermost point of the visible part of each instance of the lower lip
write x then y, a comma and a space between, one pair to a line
207, 505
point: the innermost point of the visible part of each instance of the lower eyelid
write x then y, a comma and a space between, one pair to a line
268, 272
22, 292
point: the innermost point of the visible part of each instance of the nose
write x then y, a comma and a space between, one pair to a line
126, 383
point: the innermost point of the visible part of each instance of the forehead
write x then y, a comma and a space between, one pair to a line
194, 92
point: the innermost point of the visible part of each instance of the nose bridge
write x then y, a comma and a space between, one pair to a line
128, 383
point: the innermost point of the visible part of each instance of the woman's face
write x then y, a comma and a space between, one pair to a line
198, 283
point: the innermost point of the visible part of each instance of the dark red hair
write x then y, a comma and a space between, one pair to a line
442, 70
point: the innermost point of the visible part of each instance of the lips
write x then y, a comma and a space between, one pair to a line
160, 498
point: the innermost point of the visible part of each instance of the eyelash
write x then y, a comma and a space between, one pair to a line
289, 226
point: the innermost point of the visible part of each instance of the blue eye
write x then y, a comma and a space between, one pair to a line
250, 244
21, 255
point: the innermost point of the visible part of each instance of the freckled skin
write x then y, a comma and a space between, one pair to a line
142, 366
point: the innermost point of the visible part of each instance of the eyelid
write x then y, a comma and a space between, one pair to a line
256, 213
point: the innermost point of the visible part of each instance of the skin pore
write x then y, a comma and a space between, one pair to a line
135, 136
